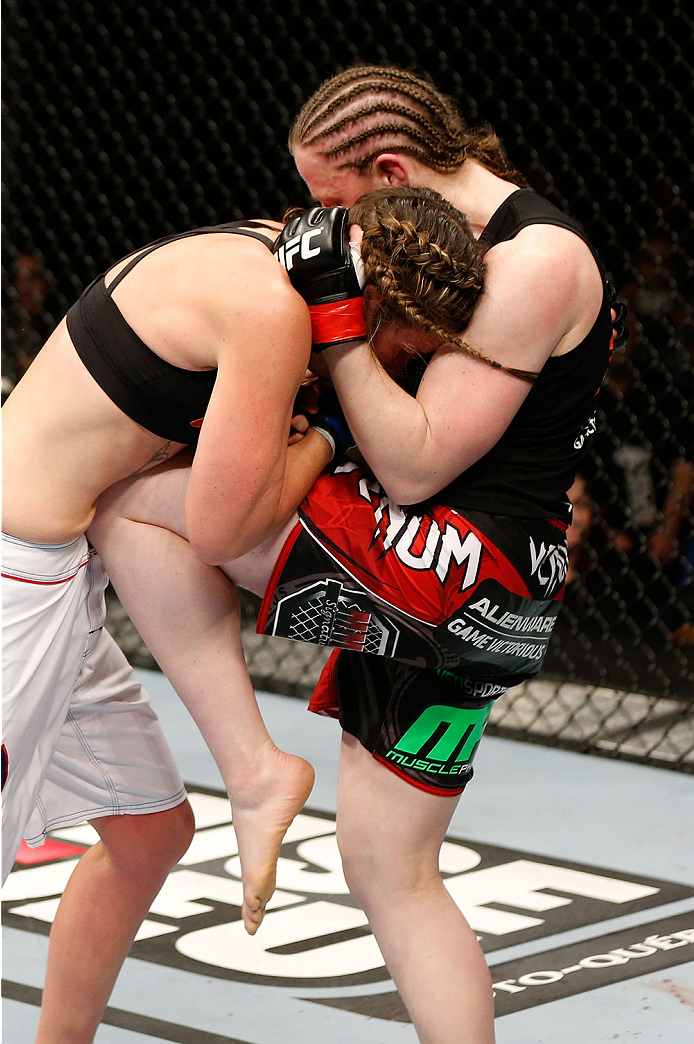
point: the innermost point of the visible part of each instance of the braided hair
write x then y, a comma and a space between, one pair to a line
369, 109
421, 257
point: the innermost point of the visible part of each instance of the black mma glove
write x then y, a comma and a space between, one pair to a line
326, 271
331, 423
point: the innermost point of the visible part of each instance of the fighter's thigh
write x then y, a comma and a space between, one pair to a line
111, 757
253, 570
156, 497
386, 827
47, 617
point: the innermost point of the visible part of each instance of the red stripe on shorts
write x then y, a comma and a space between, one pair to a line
47, 583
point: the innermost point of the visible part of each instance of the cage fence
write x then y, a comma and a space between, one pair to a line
121, 126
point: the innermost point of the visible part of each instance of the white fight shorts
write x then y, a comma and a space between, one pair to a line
80, 739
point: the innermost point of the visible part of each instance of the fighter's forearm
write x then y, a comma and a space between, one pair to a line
306, 460
389, 426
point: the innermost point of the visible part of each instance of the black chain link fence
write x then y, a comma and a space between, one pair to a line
126, 122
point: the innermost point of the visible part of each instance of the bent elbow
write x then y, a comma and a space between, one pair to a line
219, 536
210, 554
407, 493
215, 550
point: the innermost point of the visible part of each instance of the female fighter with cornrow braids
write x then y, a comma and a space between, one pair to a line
474, 469
434, 565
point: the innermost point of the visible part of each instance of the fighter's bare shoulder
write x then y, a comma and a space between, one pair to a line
539, 287
244, 282
549, 253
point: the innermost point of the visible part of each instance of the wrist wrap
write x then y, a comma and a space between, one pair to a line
337, 323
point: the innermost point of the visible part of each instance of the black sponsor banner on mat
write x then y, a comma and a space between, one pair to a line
588, 965
562, 972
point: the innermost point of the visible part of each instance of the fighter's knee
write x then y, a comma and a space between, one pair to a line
182, 832
376, 872
148, 844
362, 866
171, 832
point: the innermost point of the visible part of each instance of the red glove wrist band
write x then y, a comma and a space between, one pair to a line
339, 321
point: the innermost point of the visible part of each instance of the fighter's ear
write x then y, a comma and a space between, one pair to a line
392, 169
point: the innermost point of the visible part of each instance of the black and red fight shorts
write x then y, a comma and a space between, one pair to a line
450, 610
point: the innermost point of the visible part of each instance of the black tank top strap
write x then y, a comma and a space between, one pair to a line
522, 208
529, 470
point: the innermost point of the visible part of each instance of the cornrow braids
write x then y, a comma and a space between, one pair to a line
421, 257
369, 109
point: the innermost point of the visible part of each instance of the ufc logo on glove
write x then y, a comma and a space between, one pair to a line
327, 271
298, 245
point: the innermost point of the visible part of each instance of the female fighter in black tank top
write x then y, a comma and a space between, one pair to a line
527, 473
167, 400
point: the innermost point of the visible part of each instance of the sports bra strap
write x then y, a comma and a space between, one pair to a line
240, 228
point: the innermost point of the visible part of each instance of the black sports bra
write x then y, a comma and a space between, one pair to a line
167, 400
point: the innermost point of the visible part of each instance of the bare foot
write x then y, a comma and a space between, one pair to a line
261, 817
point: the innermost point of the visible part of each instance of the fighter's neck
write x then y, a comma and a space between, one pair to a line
477, 193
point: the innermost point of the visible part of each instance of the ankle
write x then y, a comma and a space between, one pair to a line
259, 774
